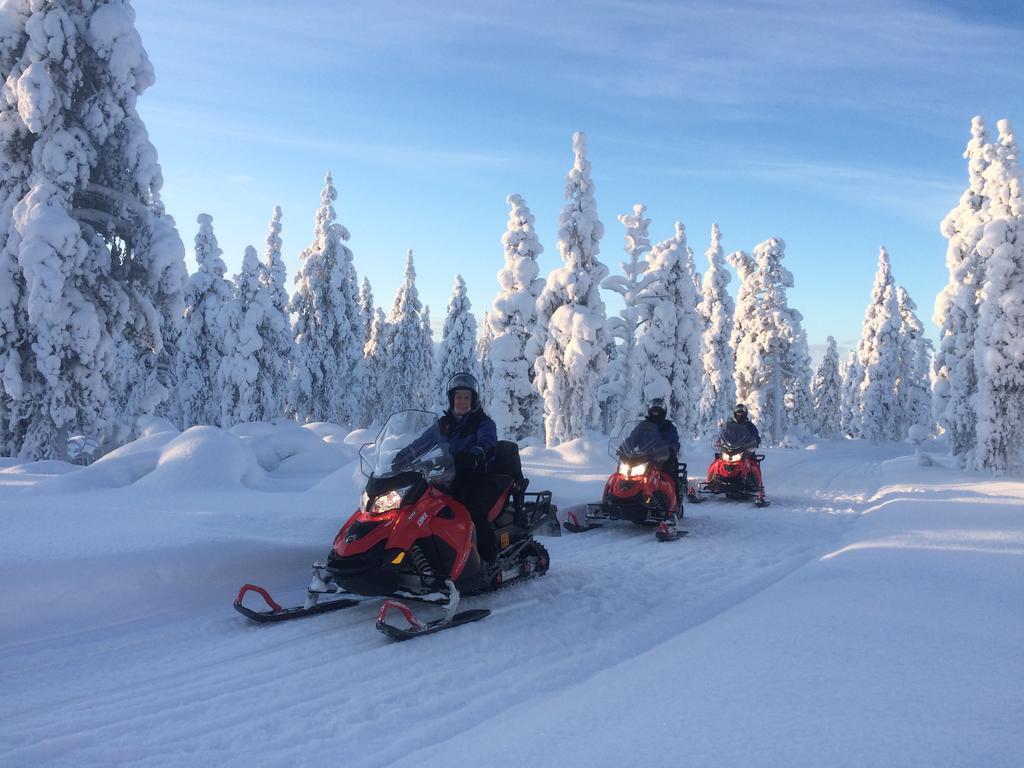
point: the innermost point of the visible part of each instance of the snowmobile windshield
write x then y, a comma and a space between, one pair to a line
640, 440
735, 438
409, 441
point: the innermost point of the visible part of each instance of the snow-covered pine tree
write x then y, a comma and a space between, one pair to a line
275, 356
506, 359
573, 360
878, 357
329, 379
458, 342
201, 344
375, 356
89, 260
238, 373
366, 309
718, 312
428, 362
849, 422
913, 388
956, 306
999, 339
483, 353
827, 391
668, 346
406, 382
621, 394
772, 365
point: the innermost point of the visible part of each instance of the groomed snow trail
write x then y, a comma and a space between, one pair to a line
123, 648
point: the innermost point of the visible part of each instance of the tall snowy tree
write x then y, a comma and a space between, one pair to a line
772, 364
201, 345
375, 357
427, 365
956, 307
622, 394
668, 347
850, 418
458, 342
717, 310
483, 353
89, 260
878, 356
999, 338
913, 388
366, 309
239, 368
571, 311
827, 391
512, 401
407, 381
329, 379
275, 356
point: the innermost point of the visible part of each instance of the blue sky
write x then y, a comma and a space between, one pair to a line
837, 126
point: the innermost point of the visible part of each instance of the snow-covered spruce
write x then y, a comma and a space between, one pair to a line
878, 355
375, 356
457, 353
849, 421
827, 391
913, 386
512, 401
328, 383
428, 359
571, 314
407, 380
483, 353
717, 310
275, 355
239, 367
621, 394
668, 346
999, 338
956, 311
201, 345
772, 362
92, 269
366, 309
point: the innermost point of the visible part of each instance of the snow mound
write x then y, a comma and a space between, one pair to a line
204, 457
117, 469
153, 425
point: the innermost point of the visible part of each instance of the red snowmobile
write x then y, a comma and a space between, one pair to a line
640, 490
412, 539
736, 469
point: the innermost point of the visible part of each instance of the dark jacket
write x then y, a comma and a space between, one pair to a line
668, 431
750, 428
474, 433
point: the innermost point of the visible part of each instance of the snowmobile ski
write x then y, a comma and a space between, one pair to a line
417, 627
668, 532
278, 613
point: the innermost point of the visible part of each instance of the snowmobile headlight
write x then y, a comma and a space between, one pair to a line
730, 457
632, 470
389, 501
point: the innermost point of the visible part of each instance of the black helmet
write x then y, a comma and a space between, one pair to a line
739, 412
656, 409
464, 381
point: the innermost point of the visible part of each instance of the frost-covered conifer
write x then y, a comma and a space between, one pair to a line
956, 307
621, 394
91, 268
329, 380
506, 356
483, 352
428, 361
849, 422
668, 347
201, 345
999, 338
458, 342
366, 309
568, 371
375, 356
407, 382
913, 389
827, 391
718, 311
238, 373
878, 356
275, 356
772, 363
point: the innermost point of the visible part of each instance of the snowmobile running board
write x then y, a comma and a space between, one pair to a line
278, 613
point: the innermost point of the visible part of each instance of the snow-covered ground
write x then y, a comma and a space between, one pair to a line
872, 616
